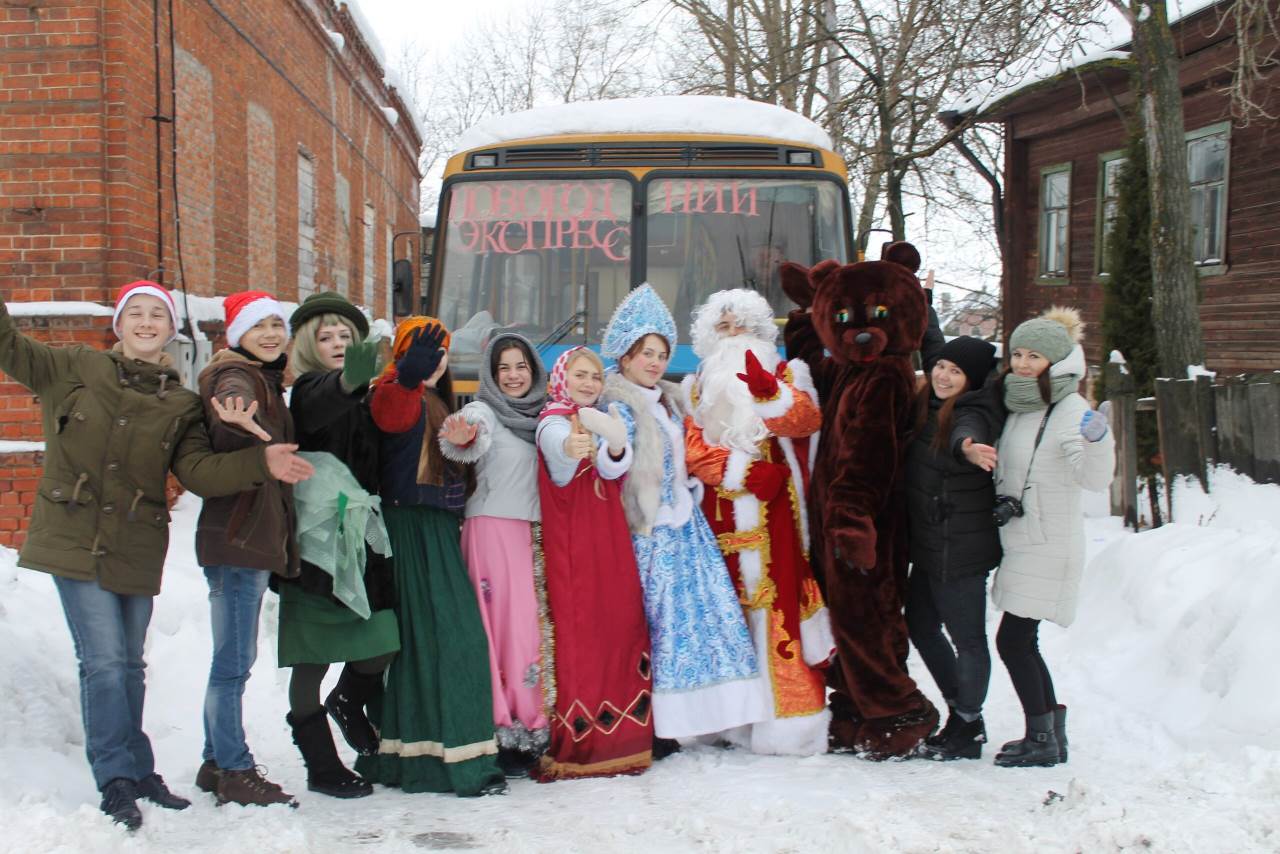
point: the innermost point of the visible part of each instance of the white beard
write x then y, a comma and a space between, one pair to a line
725, 409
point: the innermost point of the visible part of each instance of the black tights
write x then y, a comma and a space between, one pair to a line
304, 684
1017, 641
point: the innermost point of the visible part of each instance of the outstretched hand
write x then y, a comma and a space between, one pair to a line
982, 456
762, 384
235, 413
456, 430
287, 466
422, 357
359, 364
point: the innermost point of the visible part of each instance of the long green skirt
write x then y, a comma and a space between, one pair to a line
436, 715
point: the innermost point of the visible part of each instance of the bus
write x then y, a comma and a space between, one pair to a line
548, 217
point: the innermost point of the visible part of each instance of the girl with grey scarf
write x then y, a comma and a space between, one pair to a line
495, 432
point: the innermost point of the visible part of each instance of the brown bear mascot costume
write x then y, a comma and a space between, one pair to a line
869, 318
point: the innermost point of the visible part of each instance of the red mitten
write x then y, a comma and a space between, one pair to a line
762, 384
765, 480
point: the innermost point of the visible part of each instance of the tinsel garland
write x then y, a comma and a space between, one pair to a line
545, 626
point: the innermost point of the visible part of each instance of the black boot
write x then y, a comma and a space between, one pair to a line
941, 736
959, 739
346, 703
325, 772
515, 763
1060, 730
120, 801
152, 788
1039, 747
664, 747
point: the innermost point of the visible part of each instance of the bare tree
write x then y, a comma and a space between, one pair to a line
1176, 294
552, 51
1257, 28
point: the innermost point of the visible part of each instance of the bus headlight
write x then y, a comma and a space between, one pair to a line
484, 161
799, 158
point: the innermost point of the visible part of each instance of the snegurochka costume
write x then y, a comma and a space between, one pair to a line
704, 663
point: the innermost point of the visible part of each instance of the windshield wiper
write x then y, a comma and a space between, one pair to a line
561, 330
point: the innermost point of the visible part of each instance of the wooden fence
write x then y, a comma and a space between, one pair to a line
1234, 421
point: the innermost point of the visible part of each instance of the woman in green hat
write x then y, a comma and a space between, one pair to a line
334, 364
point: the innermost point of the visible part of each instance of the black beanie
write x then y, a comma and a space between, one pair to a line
329, 302
972, 355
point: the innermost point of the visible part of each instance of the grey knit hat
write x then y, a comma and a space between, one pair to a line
1053, 335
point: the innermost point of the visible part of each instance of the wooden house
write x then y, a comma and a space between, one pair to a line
1064, 138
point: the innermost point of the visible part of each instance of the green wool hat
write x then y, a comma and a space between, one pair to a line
329, 302
1053, 335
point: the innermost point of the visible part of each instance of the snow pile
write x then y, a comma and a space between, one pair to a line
692, 114
1182, 620
1169, 674
58, 309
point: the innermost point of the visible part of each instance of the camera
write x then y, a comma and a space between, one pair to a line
1006, 507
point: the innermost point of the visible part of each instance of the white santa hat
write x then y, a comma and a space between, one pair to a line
245, 309
142, 286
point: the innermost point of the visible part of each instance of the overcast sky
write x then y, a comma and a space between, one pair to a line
429, 24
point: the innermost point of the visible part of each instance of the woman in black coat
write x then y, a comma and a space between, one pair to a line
954, 540
330, 410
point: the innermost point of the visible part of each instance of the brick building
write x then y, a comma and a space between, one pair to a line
269, 127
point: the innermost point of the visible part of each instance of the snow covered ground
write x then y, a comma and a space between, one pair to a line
1169, 673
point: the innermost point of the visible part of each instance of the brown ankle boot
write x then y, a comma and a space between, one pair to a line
250, 788
207, 777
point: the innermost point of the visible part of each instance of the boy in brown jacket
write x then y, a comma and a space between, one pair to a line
242, 539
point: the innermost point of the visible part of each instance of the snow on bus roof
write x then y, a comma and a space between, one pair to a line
686, 114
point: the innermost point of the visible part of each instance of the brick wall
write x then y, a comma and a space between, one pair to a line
257, 85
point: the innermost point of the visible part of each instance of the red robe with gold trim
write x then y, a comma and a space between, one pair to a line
756, 507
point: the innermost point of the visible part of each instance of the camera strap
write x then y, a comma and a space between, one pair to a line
1044, 422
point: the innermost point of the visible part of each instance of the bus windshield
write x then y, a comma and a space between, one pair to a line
551, 259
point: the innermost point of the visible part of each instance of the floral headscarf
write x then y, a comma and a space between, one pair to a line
558, 400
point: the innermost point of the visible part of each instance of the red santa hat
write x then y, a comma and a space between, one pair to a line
142, 286
245, 309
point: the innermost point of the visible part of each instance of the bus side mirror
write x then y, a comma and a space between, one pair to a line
402, 287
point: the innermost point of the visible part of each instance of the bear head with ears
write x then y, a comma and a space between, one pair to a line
861, 312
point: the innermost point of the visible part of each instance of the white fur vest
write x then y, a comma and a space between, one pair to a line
642, 488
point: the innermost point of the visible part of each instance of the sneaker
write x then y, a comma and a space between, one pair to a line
120, 801
248, 787
207, 777
152, 788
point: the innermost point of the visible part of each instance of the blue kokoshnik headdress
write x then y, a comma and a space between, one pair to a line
642, 313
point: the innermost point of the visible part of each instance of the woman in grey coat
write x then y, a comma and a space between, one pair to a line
501, 537
1052, 447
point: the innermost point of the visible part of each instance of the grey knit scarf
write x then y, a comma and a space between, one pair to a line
1022, 394
519, 415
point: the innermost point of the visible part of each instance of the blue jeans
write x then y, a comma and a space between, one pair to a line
108, 630
235, 598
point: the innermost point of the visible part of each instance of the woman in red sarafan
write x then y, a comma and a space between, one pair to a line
594, 626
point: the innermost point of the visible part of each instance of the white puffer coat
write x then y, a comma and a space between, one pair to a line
1039, 577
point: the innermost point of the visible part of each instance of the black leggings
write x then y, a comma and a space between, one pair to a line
304, 684
1017, 641
961, 667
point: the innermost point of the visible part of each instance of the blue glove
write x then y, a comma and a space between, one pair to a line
1093, 426
422, 358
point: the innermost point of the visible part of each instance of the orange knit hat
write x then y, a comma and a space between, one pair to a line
405, 333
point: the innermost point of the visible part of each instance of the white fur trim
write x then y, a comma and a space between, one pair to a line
802, 379
735, 470
797, 477
817, 643
688, 383
252, 313
777, 407
805, 735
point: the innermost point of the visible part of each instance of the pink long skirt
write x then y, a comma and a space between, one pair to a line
499, 555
